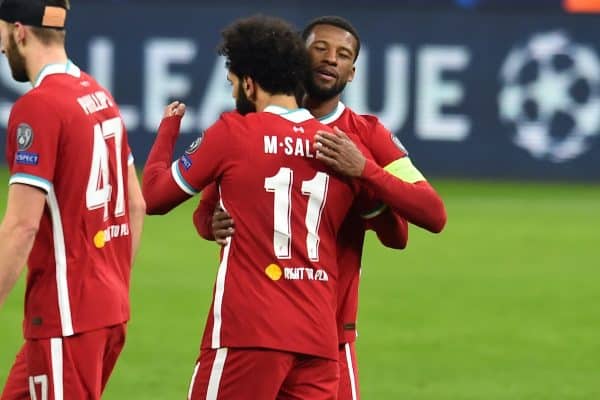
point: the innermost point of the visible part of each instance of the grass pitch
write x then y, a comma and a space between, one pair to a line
502, 305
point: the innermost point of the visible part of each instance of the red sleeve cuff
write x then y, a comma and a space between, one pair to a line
170, 125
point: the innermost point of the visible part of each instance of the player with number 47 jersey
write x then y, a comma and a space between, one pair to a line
74, 212
81, 164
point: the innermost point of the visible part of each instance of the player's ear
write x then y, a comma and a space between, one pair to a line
351, 76
249, 87
18, 33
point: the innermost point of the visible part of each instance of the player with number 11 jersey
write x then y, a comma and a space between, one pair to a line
275, 286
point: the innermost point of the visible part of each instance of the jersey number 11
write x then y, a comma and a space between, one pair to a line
316, 190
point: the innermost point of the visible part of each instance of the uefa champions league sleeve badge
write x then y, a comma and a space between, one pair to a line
24, 137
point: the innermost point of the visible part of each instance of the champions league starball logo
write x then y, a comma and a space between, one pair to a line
550, 96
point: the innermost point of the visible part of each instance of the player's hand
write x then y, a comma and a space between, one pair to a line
222, 226
339, 152
173, 109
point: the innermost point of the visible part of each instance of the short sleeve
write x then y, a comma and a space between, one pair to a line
33, 135
203, 161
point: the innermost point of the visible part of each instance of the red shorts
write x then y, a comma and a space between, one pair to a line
74, 367
348, 388
242, 374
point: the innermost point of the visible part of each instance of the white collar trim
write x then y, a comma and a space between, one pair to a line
334, 115
297, 116
51, 69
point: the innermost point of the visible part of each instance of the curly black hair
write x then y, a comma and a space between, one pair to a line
333, 20
268, 50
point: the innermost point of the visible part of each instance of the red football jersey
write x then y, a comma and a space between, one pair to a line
276, 284
66, 137
385, 149
410, 197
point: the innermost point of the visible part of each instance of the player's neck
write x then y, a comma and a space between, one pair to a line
321, 108
280, 100
49, 55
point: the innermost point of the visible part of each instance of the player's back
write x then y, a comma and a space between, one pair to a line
276, 284
78, 153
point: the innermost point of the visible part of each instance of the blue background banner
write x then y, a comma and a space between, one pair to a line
495, 95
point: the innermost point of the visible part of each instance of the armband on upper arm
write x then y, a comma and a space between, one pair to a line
404, 169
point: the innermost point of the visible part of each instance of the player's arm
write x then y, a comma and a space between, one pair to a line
391, 229
210, 220
408, 193
412, 197
31, 149
17, 232
404, 188
204, 212
166, 184
137, 210
159, 189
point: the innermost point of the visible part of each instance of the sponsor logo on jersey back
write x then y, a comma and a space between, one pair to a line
273, 271
305, 274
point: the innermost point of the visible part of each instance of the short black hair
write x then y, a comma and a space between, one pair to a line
333, 20
268, 50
